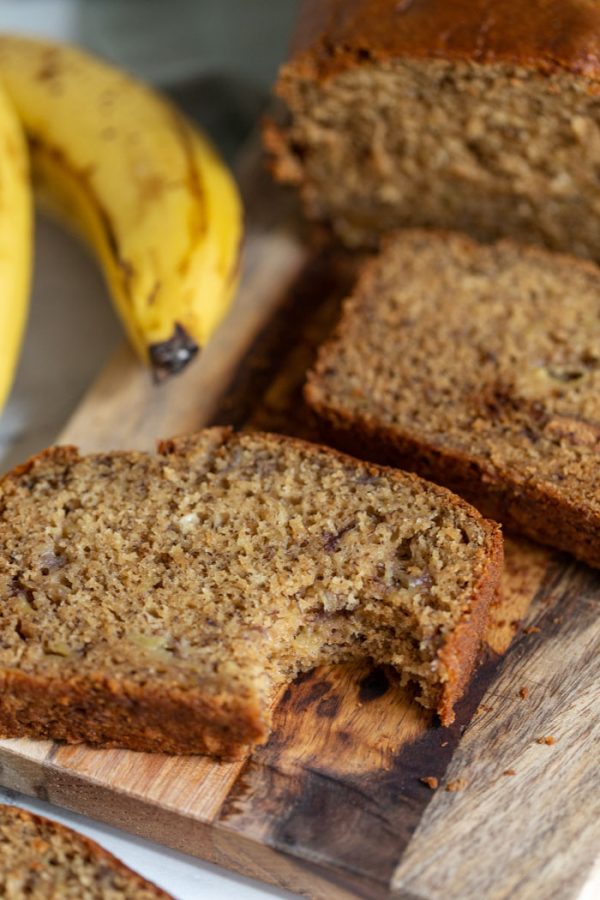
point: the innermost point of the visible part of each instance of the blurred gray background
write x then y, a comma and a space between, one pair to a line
218, 59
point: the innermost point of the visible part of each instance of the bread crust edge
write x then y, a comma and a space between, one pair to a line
105, 712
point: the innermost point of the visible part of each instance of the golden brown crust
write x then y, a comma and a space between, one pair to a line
460, 652
82, 844
184, 444
333, 35
109, 713
65, 453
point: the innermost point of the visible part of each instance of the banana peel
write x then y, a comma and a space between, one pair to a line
16, 224
119, 165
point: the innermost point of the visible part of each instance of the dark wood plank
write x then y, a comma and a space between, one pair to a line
535, 833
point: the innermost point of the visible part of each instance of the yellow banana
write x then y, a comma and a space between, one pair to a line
15, 241
119, 164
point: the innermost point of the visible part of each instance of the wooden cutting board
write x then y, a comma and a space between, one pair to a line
335, 805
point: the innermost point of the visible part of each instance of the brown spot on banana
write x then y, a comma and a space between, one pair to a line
82, 176
236, 269
183, 265
51, 66
194, 184
151, 298
107, 98
172, 356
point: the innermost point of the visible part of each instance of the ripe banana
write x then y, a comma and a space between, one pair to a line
120, 165
15, 241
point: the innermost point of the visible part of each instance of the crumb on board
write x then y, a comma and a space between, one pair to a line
444, 743
548, 739
483, 708
509, 772
431, 781
531, 629
523, 692
459, 784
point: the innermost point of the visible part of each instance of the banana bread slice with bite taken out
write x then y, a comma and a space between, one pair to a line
479, 367
157, 602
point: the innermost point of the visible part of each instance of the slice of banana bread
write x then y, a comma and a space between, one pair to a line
479, 367
158, 602
43, 860
468, 114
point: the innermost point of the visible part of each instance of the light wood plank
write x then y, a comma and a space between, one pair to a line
190, 785
124, 408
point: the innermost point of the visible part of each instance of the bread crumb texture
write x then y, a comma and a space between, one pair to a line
430, 781
478, 366
157, 601
459, 784
42, 860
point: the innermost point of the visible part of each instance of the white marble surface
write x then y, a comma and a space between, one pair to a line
182, 876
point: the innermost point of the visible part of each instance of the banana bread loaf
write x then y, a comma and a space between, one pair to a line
472, 115
479, 367
42, 860
158, 602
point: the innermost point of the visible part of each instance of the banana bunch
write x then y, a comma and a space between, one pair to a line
118, 164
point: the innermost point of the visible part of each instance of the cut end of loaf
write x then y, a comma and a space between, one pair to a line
492, 149
187, 587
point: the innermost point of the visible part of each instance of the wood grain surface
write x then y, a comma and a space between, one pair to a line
335, 804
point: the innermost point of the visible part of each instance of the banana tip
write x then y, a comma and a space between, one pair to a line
172, 356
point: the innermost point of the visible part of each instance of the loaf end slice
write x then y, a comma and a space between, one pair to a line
478, 367
445, 115
40, 858
158, 602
